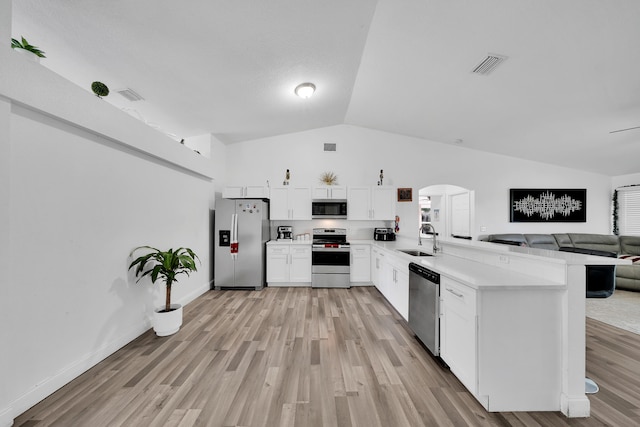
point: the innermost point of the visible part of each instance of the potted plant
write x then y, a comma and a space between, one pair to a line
165, 265
24, 46
100, 89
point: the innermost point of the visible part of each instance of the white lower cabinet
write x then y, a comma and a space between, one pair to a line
390, 274
360, 263
377, 264
288, 264
398, 285
458, 331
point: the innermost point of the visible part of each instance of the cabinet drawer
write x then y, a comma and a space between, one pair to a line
458, 295
278, 249
361, 251
300, 250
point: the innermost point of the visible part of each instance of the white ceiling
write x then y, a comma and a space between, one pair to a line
229, 67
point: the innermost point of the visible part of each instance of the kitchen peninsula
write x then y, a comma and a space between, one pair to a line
512, 321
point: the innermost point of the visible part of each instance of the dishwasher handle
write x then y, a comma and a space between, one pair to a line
425, 273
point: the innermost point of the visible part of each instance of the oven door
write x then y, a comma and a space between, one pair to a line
330, 268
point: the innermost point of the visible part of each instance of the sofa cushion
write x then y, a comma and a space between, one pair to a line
508, 239
635, 259
562, 239
541, 241
630, 245
587, 251
600, 242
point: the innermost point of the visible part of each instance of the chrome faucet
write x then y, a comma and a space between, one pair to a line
433, 230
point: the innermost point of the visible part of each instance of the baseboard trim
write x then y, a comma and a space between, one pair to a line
6, 417
575, 406
51, 384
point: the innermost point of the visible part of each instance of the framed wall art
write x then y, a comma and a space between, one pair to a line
547, 205
405, 194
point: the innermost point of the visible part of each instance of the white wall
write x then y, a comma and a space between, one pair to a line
416, 163
82, 184
6, 414
621, 180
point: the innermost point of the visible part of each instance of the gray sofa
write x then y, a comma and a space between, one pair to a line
627, 276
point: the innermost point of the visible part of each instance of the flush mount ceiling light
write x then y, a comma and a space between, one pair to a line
305, 90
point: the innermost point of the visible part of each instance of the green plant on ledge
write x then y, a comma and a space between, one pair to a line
165, 265
15, 44
100, 89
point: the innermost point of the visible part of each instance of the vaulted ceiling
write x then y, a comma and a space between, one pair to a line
571, 79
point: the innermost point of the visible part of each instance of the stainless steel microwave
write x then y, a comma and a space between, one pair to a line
329, 208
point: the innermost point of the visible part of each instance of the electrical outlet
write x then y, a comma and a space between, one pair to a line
483, 229
504, 259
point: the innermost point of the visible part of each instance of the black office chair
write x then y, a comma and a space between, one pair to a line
601, 283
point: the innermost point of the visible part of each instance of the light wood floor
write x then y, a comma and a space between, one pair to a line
309, 357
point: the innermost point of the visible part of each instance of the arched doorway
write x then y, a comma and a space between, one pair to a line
449, 209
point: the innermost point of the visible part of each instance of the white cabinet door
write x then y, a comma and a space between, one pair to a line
458, 331
383, 203
375, 267
245, 192
279, 206
300, 202
300, 263
277, 263
290, 203
359, 203
399, 291
256, 192
330, 192
360, 263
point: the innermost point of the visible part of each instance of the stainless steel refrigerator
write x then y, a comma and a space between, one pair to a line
240, 237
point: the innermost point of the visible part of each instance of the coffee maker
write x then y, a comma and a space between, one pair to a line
285, 232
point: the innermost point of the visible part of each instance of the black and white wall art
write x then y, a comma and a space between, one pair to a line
548, 205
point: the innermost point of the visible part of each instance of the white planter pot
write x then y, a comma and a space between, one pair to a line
167, 323
28, 54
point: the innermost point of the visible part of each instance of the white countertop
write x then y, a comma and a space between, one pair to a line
289, 242
479, 275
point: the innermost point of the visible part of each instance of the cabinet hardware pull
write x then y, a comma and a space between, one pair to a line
459, 295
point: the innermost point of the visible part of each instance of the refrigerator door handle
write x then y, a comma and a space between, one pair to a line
234, 236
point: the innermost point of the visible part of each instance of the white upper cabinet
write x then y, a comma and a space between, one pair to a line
245, 192
330, 192
290, 203
371, 203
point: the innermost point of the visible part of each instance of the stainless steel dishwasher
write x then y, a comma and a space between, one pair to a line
424, 306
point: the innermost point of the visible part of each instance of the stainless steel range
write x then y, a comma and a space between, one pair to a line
330, 258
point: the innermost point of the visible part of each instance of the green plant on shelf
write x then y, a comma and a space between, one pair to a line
16, 44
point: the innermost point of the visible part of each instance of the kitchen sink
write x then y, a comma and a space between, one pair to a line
414, 252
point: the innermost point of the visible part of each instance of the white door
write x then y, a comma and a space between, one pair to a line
460, 214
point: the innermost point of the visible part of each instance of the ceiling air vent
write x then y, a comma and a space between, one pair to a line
130, 94
488, 64
329, 147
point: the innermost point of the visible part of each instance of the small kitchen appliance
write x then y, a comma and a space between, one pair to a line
285, 232
384, 234
332, 208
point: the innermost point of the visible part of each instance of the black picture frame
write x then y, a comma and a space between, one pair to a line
405, 194
548, 205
